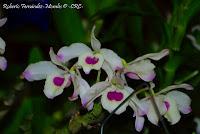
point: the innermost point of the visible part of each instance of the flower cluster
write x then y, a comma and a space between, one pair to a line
3, 61
114, 89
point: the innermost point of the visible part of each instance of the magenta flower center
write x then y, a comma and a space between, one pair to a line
58, 81
167, 105
117, 96
91, 60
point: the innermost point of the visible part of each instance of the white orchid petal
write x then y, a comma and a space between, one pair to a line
110, 104
40, 70
152, 115
139, 123
54, 58
83, 88
108, 70
74, 50
147, 76
128, 89
96, 91
76, 90
132, 75
3, 21
87, 70
90, 106
140, 66
74, 95
3, 63
2, 46
172, 114
112, 58
143, 69
96, 45
153, 56
169, 88
54, 85
183, 101
142, 106
89, 61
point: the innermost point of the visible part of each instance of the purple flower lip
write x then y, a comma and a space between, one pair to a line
58, 81
117, 96
167, 105
91, 60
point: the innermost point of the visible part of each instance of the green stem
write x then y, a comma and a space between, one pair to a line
171, 68
98, 76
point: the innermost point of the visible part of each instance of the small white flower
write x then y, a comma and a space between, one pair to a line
169, 103
176, 101
90, 59
112, 95
142, 68
56, 79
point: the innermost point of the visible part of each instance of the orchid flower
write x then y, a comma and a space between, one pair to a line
168, 105
3, 61
176, 102
90, 59
56, 79
142, 68
112, 93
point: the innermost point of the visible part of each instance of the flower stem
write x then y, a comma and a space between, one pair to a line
98, 76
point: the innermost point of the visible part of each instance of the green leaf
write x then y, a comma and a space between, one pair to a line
124, 9
90, 7
68, 23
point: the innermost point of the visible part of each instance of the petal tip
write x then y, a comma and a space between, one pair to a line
3, 65
3, 21
187, 110
188, 86
27, 75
